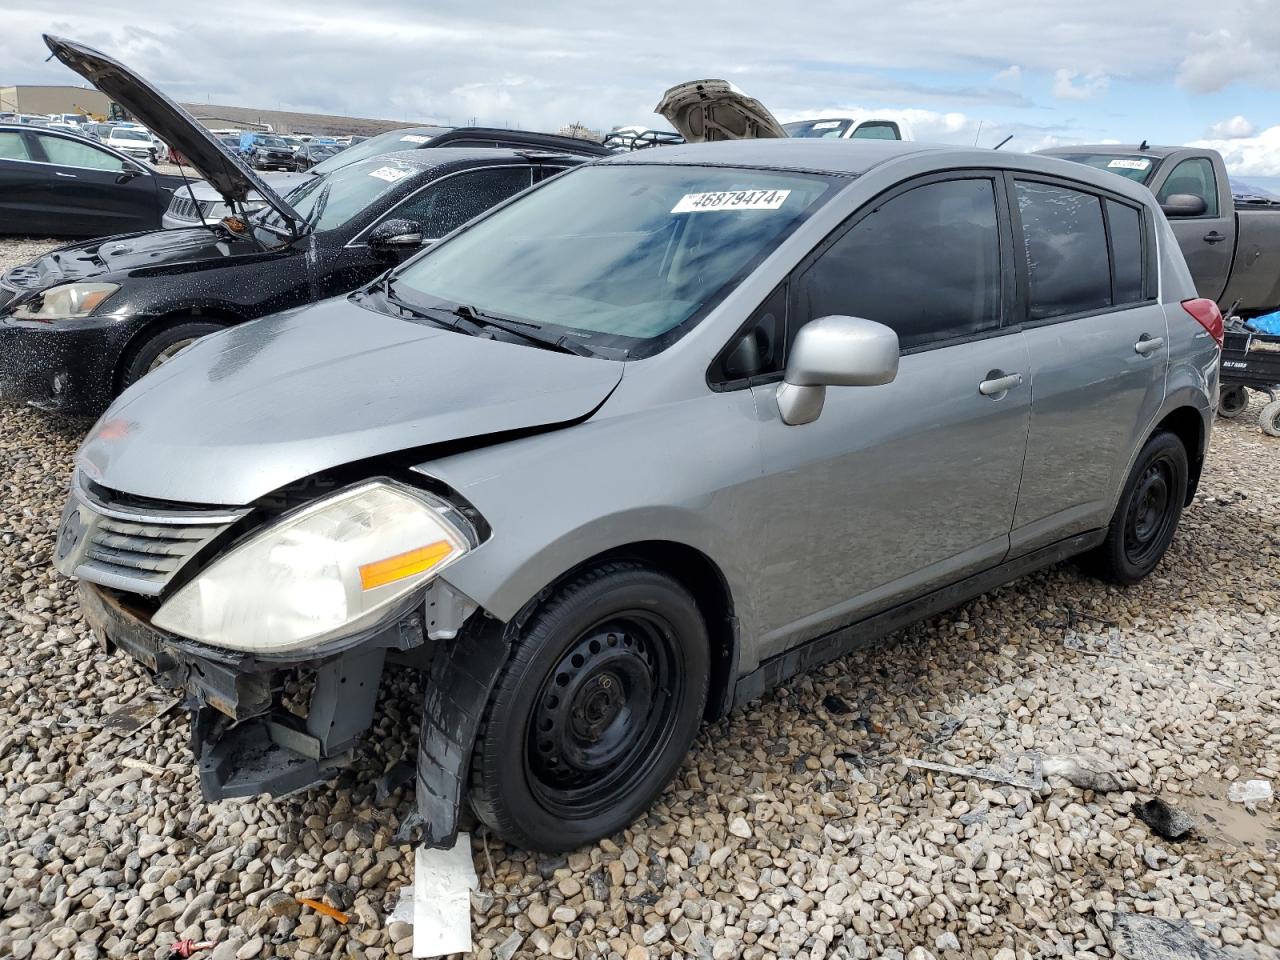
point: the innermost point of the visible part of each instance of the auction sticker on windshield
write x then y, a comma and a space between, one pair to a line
389, 174
731, 200
415, 138
1130, 164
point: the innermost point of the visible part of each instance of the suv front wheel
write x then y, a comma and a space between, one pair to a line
596, 708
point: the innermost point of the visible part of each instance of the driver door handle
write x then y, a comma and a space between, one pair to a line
1213, 236
70, 176
999, 385
1148, 345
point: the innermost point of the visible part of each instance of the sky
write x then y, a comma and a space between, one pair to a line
1182, 71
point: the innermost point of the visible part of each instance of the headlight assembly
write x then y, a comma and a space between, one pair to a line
65, 301
332, 567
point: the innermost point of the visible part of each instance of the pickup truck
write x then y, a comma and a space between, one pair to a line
1232, 246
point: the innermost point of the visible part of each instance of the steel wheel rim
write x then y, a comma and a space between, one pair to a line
1150, 513
169, 352
603, 715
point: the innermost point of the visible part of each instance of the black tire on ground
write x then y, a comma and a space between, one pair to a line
149, 351
1269, 418
594, 711
1232, 401
1146, 517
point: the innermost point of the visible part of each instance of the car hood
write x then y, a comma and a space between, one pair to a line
707, 110
258, 406
128, 253
172, 124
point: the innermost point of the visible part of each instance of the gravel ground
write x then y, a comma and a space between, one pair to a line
795, 829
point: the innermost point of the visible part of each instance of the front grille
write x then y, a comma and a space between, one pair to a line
182, 208
26, 277
133, 544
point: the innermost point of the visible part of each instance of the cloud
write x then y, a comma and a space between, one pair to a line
1010, 76
1231, 129
1091, 84
1254, 156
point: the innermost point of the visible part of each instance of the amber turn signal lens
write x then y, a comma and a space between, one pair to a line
381, 572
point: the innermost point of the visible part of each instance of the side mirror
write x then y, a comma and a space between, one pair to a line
834, 352
128, 171
392, 235
1183, 205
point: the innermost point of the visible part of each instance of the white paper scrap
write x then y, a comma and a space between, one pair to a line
389, 174
442, 885
731, 200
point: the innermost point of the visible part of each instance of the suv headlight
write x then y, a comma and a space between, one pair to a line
334, 566
65, 301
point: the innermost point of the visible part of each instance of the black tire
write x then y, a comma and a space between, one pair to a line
594, 711
1269, 419
1146, 517
1232, 401
149, 351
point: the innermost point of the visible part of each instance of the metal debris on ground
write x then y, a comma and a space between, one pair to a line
138, 712
1140, 937
1169, 822
1033, 782
1249, 791
442, 885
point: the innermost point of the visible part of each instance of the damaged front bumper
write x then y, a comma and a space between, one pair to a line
276, 727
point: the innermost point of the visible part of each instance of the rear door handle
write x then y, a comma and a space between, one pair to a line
1213, 236
999, 384
1148, 345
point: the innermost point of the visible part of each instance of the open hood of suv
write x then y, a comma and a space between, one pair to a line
707, 110
228, 175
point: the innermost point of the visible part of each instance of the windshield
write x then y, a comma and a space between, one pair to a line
817, 128
1127, 165
269, 142
330, 201
375, 147
624, 255
124, 134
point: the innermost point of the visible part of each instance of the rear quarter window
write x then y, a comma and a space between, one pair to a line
1127, 254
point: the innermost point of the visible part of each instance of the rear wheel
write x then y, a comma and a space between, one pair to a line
595, 709
1232, 401
1147, 515
160, 346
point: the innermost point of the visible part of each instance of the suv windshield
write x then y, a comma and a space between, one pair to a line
620, 255
1127, 165
817, 128
269, 142
389, 142
330, 201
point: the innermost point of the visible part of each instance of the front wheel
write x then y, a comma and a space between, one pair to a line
595, 710
1147, 515
161, 346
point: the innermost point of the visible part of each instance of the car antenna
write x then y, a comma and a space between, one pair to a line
1144, 145
1003, 142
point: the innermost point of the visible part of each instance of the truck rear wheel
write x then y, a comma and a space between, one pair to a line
594, 711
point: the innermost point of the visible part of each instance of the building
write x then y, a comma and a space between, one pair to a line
46, 100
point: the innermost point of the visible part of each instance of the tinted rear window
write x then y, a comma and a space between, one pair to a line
1066, 249
1126, 251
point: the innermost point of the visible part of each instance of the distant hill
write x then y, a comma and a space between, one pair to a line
286, 121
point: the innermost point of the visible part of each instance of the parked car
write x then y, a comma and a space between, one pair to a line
134, 141
1233, 249
603, 484
54, 183
207, 199
851, 128
81, 323
266, 151
309, 154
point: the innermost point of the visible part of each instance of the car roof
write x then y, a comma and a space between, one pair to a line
1119, 149
817, 155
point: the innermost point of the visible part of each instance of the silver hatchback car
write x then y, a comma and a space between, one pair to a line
634, 447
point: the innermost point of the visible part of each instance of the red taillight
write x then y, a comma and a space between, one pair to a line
1208, 315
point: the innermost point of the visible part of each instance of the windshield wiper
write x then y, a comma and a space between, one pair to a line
317, 208
530, 332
